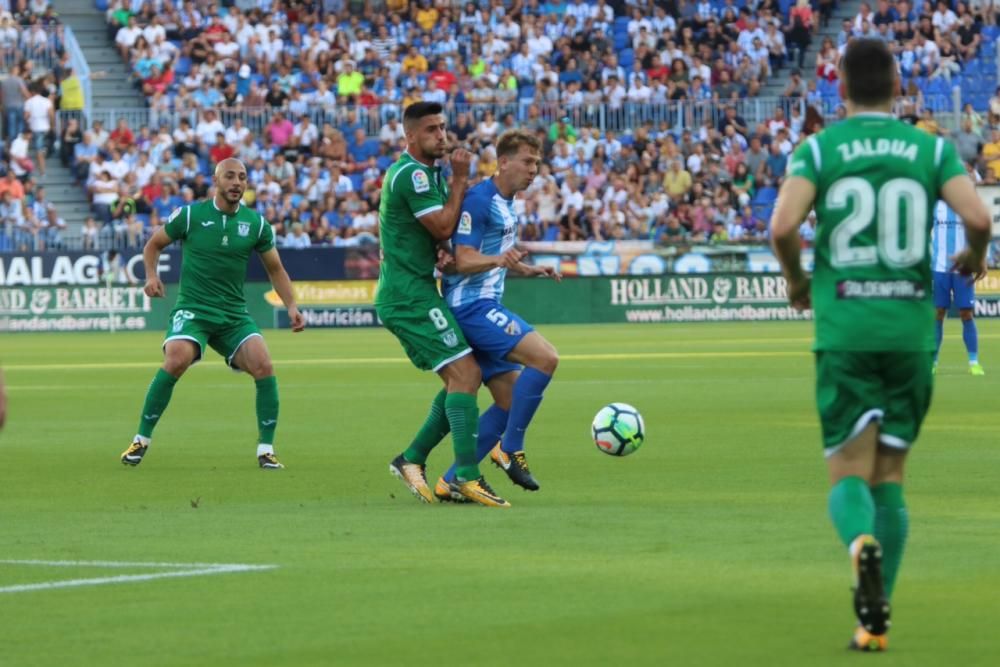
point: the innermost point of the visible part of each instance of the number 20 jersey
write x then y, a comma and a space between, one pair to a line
877, 181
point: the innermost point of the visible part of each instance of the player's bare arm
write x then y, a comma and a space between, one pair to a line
283, 286
470, 260
794, 203
151, 259
960, 194
522, 269
441, 223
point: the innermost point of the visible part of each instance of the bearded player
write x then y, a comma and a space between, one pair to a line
219, 235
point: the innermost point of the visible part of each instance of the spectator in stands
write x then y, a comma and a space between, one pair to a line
21, 165
968, 142
121, 137
677, 181
104, 194
298, 239
39, 114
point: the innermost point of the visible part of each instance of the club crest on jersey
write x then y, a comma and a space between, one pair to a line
243, 228
420, 181
225, 240
465, 223
513, 329
450, 338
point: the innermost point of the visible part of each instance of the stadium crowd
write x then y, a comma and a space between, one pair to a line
311, 99
34, 64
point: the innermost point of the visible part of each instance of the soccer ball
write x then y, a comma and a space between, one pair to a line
618, 429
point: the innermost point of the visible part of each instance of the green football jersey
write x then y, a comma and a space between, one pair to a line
216, 251
877, 181
410, 189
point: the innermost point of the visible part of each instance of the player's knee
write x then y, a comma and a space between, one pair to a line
549, 361
176, 364
965, 314
941, 312
261, 368
467, 376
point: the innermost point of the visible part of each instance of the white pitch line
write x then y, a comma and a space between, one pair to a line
189, 570
121, 564
333, 361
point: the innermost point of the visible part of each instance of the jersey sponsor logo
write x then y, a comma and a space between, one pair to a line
420, 181
465, 223
450, 338
243, 228
207, 223
903, 290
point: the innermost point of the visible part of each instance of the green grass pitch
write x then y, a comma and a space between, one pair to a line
709, 546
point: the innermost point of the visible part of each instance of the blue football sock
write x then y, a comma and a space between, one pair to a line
938, 337
971, 338
491, 426
527, 396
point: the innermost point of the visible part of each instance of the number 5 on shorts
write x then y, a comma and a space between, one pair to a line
438, 319
497, 318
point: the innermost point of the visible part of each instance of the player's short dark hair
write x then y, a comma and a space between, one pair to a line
510, 142
419, 110
869, 71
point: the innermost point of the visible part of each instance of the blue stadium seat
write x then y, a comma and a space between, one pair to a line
622, 42
765, 195
625, 58
938, 87
527, 93
144, 218
101, 5
182, 67
990, 33
552, 233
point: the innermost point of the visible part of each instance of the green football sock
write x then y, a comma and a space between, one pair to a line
267, 409
891, 526
852, 509
431, 433
157, 398
463, 416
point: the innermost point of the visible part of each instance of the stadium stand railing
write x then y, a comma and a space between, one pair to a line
678, 116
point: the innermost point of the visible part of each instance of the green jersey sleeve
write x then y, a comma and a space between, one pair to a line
179, 223
947, 162
413, 186
806, 161
265, 240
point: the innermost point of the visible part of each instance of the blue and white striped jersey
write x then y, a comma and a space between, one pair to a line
947, 238
489, 224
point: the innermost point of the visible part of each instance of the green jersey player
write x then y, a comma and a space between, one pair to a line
873, 181
418, 211
219, 236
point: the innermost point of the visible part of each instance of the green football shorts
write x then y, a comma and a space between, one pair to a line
427, 330
225, 333
855, 388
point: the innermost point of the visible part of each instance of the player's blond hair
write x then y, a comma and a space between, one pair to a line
510, 143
